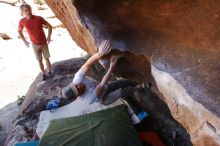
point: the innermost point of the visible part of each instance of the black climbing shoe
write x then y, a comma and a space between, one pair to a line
44, 77
140, 91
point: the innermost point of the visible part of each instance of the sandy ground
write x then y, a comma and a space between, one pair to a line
18, 66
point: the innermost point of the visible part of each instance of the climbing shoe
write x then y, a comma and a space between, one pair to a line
140, 91
44, 77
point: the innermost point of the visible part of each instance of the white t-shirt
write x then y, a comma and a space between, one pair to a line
89, 96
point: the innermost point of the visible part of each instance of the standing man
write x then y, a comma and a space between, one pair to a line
34, 26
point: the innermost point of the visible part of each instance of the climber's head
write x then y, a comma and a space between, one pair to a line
72, 91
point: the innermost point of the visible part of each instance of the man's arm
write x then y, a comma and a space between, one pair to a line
103, 50
48, 25
20, 32
101, 86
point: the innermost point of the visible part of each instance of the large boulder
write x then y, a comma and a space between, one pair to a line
9, 114
159, 119
180, 38
24, 124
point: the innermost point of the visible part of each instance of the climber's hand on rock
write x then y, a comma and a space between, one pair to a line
114, 60
104, 48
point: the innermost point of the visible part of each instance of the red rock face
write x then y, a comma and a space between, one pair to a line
80, 33
181, 38
67, 13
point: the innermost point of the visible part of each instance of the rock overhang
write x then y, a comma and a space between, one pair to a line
180, 38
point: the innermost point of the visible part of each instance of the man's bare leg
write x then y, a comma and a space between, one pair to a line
41, 65
48, 64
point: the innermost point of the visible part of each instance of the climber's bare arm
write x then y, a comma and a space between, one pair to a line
103, 50
101, 86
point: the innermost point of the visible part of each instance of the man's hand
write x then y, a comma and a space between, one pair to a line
27, 44
48, 39
104, 48
49, 31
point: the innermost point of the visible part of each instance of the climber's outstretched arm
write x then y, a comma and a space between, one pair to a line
103, 50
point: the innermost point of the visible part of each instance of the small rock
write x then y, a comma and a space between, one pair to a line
20, 100
41, 8
11, 2
4, 36
39, 2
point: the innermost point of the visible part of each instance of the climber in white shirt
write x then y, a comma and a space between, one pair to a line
85, 88
88, 90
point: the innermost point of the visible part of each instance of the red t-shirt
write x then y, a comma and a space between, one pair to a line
34, 27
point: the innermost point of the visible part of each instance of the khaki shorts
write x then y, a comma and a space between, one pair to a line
41, 49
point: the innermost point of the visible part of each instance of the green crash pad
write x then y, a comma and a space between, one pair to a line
110, 127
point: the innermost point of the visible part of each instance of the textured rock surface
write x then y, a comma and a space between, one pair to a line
8, 114
67, 13
169, 129
182, 38
200, 123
